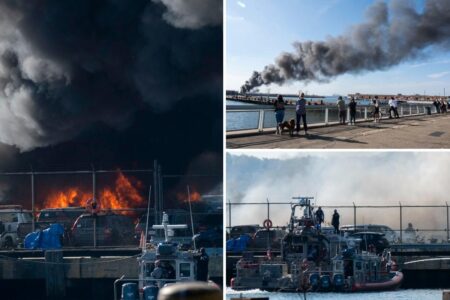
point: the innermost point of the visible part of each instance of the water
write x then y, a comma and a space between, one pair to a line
239, 120
400, 294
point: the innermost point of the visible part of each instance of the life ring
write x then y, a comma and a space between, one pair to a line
267, 224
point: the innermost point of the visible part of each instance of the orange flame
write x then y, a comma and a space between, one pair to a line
124, 194
195, 196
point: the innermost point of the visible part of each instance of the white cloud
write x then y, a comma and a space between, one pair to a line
241, 4
438, 75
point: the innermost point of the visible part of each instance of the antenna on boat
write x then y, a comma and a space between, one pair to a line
190, 212
166, 226
144, 245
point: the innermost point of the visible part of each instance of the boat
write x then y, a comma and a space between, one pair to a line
162, 263
313, 261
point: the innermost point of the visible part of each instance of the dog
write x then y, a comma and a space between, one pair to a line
289, 126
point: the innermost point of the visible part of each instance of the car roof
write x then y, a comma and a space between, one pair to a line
367, 233
62, 208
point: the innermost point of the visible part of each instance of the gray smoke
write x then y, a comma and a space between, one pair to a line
193, 13
393, 33
337, 179
66, 66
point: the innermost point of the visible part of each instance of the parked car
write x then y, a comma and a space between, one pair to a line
11, 216
376, 239
64, 216
263, 239
111, 230
390, 234
208, 239
237, 231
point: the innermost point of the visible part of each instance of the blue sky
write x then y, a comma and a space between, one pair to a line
259, 30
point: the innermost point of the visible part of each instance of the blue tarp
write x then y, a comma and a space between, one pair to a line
238, 244
49, 238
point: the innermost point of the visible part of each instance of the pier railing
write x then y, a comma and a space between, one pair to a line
259, 118
430, 223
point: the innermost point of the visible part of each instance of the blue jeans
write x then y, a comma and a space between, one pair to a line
305, 126
279, 116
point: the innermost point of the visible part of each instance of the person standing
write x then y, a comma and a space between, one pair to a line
279, 112
335, 221
376, 110
320, 217
352, 106
202, 265
300, 109
342, 110
394, 107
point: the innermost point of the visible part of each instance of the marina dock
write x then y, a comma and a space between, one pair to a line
420, 131
76, 272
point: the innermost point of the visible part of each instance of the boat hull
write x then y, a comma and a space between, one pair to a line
387, 285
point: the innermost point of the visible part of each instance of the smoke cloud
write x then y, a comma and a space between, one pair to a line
192, 13
342, 179
392, 34
67, 66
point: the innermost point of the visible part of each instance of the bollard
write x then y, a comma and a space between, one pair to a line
446, 295
190, 291
55, 279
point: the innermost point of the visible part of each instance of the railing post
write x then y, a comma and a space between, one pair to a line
261, 121
354, 215
268, 208
410, 110
326, 115
365, 113
401, 110
401, 221
417, 108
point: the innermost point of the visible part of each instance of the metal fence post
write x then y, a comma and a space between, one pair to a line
268, 209
354, 216
229, 213
417, 108
326, 115
94, 201
365, 113
401, 110
401, 221
33, 224
410, 110
448, 225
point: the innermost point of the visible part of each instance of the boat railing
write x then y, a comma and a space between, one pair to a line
259, 118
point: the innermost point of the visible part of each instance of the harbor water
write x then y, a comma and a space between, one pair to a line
410, 294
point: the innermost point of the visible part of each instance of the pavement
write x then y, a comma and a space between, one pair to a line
416, 132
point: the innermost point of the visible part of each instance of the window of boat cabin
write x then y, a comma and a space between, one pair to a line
185, 270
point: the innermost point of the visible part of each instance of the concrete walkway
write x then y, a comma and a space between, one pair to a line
418, 132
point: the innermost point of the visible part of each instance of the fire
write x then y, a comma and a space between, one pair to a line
124, 194
195, 196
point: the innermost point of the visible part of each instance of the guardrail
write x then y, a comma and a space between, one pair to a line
433, 220
260, 117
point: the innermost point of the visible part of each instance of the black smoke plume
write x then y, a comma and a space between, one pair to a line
115, 84
66, 65
392, 34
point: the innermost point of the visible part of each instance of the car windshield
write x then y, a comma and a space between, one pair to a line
27, 217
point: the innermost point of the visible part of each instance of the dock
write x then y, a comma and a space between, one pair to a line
416, 132
78, 272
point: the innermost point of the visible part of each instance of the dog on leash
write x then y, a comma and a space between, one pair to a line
288, 126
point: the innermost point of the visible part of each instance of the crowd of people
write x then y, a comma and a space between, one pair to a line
300, 109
